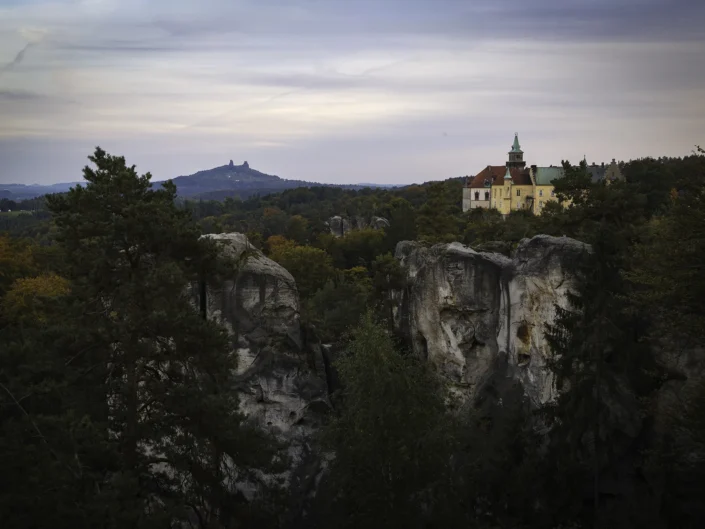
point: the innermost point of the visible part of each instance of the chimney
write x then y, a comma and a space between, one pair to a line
230, 164
603, 165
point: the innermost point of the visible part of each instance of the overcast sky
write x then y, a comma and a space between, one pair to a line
343, 91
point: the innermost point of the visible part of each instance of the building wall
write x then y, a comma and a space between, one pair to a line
497, 197
501, 198
466, 199
613, 173
469, 201
543, 194
519, 201
477, 197
504, 198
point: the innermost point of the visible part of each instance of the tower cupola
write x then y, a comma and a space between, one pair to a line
516, 155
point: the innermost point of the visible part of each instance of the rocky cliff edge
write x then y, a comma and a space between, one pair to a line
481, 316
281, 384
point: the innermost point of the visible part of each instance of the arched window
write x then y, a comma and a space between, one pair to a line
477, 195
487, 195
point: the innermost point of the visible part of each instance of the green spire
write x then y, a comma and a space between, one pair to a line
507, 175
515, 145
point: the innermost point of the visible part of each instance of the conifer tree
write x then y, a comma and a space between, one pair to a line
601, 365
392, 439
163, 373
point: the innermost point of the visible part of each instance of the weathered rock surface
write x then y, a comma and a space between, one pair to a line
340, 225
281, 384
468, 311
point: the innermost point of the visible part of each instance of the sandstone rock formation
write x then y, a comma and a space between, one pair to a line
282, 386
340, 225
469, 312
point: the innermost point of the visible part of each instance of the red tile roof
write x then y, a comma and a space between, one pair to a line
495, 175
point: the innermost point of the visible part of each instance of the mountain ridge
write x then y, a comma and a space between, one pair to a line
217, 183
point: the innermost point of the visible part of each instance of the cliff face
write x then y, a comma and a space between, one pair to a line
477, 316
481, 316
339, 226
281, 383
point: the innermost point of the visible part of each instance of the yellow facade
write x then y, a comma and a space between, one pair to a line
509, 197
521, 197
542, 195
506, 196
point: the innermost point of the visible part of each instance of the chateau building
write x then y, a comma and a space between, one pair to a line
514, 186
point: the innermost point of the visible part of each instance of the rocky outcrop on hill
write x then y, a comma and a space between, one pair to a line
340, 225
476, 315
481, 316
282, 383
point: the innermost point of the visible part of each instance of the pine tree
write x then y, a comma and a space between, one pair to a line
602, 366
392, 439
164, 372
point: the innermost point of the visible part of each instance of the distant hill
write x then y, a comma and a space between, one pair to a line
24, 192
226, 178
242, 181
211, 184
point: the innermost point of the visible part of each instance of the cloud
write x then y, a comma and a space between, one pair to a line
356, 84
19, 95
18, 58
33, 35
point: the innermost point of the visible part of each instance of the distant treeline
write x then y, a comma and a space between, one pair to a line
32, 204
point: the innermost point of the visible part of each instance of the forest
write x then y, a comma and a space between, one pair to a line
119, 405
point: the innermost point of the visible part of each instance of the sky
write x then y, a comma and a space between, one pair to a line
345, 91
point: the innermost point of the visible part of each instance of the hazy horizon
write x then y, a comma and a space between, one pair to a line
332, 91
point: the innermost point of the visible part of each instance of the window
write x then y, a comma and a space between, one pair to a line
487, 195
553, 193
540, 203
477, 195
540, 192
518, 192
494, 193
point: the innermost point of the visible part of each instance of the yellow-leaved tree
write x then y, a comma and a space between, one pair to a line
27, 297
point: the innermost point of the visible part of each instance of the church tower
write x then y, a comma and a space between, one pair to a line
516, 155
